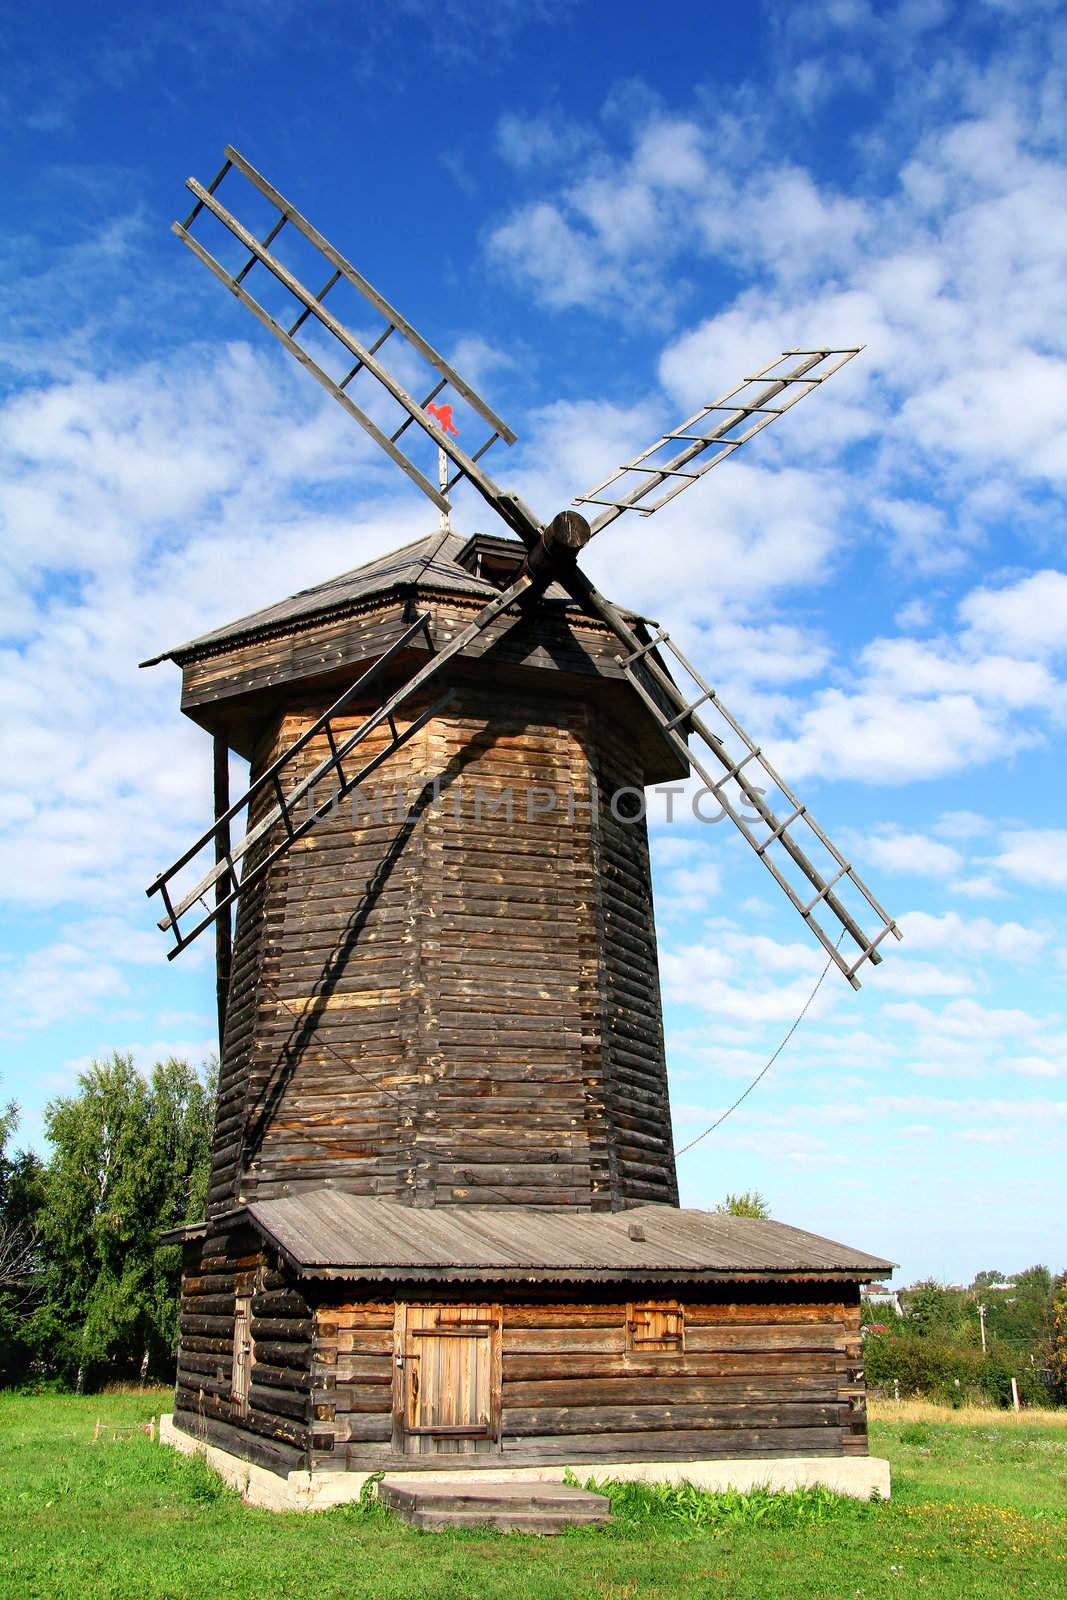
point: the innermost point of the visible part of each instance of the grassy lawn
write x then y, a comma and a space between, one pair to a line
979, 1509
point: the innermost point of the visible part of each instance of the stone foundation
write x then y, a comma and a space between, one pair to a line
861, 1477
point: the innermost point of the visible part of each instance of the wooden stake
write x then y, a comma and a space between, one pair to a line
442, 478
223, 885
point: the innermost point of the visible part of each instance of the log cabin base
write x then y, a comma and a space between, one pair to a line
327, 1338
860, 1477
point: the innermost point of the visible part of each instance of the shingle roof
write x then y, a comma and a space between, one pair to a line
429, 562
326, 1232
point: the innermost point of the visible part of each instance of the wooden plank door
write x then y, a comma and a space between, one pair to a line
242, 1355
448, 1379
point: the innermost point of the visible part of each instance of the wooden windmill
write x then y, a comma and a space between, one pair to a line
443, 1161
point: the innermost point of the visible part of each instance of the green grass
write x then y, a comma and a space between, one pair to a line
978, 1511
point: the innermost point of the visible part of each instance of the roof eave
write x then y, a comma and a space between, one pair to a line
517, 1276
209, 644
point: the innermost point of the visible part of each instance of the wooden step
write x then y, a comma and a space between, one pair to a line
493, 1503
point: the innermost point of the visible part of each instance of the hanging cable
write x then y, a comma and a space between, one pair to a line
764, 1070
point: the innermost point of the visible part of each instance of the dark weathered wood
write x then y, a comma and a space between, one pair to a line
223, 928
273, 1454
272, 1329
355, 1012
686, 1444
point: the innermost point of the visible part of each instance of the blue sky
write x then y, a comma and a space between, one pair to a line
606, 218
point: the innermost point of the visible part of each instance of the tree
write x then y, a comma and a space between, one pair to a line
1022, 1315
21, 1196
177, 1159
749, 1204
934, 1309
1058, 1341
129, 1160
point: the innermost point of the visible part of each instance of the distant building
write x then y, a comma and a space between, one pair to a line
881, 1294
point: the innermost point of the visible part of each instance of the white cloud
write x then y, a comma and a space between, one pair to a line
1028, 617
526, 141
689, 888
994, 1136
912, 853
971, 936
979, 888
915, 667
878, 736
1036, 856
1036, 1066
916, 614
147, 506
966, 1020
55, 983
961, 825
747, 978
921, 709
923, 978
541, 246
196, 1050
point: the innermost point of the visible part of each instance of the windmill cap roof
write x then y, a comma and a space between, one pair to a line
325, 1231
427, 563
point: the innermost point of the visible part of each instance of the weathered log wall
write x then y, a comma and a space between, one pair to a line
273, 1429
460, 1003
776, 1375
630, 1023
753, 1380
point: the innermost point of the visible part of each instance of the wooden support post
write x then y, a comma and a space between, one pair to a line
1016, 1404
223, 884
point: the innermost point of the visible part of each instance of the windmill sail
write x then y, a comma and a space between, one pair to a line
332, 351
314, 796
739, 778
679, 458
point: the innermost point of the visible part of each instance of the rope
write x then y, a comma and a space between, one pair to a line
765, 1069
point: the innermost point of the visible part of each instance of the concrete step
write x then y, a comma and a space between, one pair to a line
507, 1506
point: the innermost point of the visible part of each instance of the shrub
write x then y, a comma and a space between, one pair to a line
938, 1368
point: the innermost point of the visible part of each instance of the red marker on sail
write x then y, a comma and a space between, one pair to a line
443, 414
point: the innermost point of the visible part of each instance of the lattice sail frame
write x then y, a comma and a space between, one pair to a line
315, 796
794, 849
365, 355
701, 438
